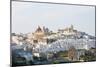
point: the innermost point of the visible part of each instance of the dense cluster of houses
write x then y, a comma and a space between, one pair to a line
45, 41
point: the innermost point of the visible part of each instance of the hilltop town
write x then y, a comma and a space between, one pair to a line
65, 45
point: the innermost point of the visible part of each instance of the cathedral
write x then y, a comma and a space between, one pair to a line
39, 36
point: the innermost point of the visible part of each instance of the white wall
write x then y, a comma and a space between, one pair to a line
5, 33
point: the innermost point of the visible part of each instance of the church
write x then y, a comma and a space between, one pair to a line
40, 36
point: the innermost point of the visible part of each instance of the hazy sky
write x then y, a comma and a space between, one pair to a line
26, 16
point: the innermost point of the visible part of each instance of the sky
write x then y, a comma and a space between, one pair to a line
26, 16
